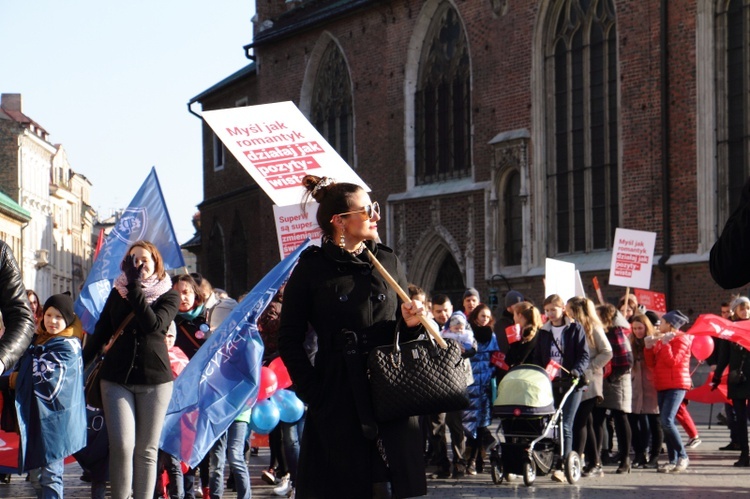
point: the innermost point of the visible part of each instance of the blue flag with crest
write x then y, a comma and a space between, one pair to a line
223, 378
145, 218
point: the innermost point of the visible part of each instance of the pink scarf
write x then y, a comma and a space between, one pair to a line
153, 288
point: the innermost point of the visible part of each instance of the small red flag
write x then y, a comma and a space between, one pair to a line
99, 243
553, 369
498, 360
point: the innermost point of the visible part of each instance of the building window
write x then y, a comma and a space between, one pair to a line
513, 219
450, 281
733, 132
218, 153
332, 109
443, 103
582, 118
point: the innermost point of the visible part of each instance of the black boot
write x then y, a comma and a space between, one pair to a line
640, 460
744, 461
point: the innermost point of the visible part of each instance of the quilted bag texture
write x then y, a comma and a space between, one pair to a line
416, 378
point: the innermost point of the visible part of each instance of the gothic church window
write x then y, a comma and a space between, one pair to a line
733, 130
582, 120
513, 241
443, 102
215, 258
332, 109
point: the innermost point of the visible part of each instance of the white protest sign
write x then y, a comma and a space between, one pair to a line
632, 258
278, 146
293, 226
559, 279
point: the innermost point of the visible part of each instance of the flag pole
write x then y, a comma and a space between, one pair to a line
427, 323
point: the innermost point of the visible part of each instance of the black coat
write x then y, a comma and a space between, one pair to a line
19, 323
139, 356
331, 291
738, 359
729, 262
575, 355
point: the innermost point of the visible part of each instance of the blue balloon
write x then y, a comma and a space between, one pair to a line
265, 416
291, 408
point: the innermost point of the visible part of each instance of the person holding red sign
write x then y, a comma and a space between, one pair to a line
583, 311
668, 354
738, 382
644, 415
529, 321
564, 341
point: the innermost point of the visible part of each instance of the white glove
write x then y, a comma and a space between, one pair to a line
668, 337
650, 341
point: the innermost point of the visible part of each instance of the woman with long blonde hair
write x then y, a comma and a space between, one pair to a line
583, 311
528, 318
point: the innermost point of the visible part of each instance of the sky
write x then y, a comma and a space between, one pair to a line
110, 81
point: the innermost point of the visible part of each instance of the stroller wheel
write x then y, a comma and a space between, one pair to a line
529, 472
497, 471
572, 467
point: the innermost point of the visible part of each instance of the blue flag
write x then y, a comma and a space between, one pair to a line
145, 218
223, 378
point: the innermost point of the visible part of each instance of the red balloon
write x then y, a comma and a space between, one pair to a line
282, 375
268, 383
702, 347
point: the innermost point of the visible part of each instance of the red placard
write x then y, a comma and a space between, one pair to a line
513, 333
651, 300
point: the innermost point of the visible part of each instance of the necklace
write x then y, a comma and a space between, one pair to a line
358, 250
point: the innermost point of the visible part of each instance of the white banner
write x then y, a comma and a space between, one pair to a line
632, 258
293, 226
559, 279
278, 146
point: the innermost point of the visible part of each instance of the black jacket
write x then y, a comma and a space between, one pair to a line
729, 262
139, 356
14, 305
332, 291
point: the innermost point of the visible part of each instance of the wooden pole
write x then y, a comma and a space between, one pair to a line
427, 323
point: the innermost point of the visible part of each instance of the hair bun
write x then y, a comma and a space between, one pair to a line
316, 186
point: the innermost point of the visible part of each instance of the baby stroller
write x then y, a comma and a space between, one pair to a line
530, 429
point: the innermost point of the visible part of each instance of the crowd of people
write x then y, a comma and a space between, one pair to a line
630, 369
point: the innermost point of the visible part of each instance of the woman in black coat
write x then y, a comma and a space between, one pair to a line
334, 289
136, 375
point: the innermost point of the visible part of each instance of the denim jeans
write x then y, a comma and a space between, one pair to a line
669, 404
291, 433
233, 440
48, 480
173, 468
569, 415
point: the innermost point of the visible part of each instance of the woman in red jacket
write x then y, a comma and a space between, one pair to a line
669, 357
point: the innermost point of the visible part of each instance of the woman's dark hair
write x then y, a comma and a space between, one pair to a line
187, 278
333, 198
39, 313
155, 256
474, 314
607, 314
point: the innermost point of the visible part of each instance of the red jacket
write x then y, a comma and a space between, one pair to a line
671, 363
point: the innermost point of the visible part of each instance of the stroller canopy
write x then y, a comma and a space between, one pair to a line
526, 386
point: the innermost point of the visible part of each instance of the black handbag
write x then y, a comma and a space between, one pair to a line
91, 388
416, 378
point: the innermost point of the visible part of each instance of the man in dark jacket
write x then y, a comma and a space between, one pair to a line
19, 324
